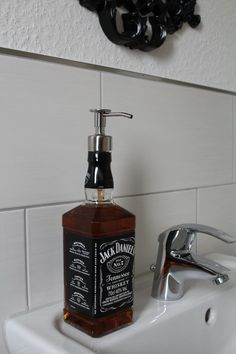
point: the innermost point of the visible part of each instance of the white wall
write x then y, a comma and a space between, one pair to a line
173, 163
64, 29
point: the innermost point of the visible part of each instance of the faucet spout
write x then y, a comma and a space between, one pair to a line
176, 262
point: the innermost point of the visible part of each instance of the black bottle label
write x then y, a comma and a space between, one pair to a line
98, 273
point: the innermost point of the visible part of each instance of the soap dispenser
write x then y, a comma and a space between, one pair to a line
99, 239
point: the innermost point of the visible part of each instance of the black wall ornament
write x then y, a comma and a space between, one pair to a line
142, 24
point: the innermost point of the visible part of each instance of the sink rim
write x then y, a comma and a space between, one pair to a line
149, 314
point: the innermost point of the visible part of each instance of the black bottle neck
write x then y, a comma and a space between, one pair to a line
99, 170
99, 180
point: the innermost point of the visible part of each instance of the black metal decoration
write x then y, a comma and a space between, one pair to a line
142, 24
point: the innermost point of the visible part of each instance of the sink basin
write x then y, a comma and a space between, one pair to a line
202, 322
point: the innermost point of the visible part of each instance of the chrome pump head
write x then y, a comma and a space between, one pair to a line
99, 141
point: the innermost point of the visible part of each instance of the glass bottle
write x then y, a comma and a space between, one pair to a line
98, 247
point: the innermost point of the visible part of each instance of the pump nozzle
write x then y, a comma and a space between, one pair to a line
100, 141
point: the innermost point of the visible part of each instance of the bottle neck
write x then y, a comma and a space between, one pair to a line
99, 180
98, 195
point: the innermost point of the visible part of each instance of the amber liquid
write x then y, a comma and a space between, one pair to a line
98, 221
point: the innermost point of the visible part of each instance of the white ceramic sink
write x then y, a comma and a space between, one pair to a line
202, 322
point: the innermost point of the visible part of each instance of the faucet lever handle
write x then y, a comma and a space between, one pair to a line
179, 241
181, 237
208, 230
175, 257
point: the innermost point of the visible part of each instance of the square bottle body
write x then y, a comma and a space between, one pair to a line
98, 267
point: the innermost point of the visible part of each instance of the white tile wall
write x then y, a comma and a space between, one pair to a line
12, 267
45, 257
217, 207
173, 163
155, 213
180, 137
45, 121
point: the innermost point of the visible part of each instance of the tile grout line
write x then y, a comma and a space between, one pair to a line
233, 141
175, 190
35, 206
197, 213
101, 89
97, 67
27, 259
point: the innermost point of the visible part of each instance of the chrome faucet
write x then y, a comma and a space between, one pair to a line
176, 262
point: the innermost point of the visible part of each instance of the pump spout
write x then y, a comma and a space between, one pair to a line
118, 114
100, 116
100, 141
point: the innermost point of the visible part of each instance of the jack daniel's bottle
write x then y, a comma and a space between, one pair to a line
99, 246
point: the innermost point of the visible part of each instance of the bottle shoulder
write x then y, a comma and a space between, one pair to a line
95, 218
99, 212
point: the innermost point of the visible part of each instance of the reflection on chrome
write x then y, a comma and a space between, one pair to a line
176, 262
